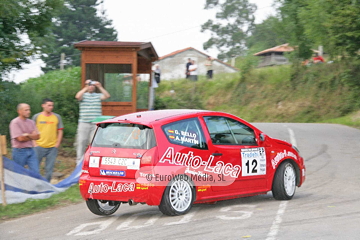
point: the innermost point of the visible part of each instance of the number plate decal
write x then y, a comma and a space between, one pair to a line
130, 163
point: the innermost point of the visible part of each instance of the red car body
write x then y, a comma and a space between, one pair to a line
176, 158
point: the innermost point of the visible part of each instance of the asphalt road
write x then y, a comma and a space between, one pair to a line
327, 206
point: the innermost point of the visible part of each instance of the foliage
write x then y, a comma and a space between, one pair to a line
267, 34
78, 21
21, 20
294, 28
344, 27
229, 37
71, 195
61, 87
8, 101
181, 94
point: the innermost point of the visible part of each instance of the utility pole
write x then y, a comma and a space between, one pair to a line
62, 58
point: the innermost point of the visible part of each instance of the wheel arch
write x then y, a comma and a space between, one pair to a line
296, 166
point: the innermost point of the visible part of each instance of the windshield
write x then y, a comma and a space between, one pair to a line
124, 135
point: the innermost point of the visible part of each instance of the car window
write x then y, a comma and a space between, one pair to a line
186, 133
124, 135
227, 131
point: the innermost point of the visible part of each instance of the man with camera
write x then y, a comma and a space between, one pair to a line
90, 108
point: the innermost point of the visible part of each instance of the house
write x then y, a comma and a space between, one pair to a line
173, 65
274, 56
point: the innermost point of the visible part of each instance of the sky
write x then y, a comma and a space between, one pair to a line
169, 25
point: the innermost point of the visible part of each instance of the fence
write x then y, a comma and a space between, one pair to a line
3, 151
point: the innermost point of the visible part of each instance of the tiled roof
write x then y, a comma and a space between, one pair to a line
281, 48
86, 43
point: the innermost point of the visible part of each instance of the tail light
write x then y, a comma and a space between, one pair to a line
86, 161
149, 157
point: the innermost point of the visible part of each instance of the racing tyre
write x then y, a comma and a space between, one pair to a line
178, 197
284, 184
102, 207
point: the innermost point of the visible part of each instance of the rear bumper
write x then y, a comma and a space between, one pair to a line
115, 189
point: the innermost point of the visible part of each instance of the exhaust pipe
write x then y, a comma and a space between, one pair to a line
132, 203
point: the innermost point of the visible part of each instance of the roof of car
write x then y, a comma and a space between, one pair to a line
147, 117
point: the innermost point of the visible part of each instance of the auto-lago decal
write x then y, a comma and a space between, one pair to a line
195, 162
281, 155
104, 188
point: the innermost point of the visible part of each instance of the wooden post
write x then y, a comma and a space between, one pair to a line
2, 151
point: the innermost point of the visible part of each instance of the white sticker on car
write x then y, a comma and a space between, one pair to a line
94, 162
253, 161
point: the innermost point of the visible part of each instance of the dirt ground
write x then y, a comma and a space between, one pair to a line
64, 166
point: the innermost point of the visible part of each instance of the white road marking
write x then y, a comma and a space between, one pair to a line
102, 225
126, 224
276, 223
187, 217
292, 137
239, 214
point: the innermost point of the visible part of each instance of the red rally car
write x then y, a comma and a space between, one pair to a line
177, 158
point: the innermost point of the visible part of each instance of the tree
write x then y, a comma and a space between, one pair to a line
23, 25
267, 34
294, 28
78, 21
235, 19
333, 24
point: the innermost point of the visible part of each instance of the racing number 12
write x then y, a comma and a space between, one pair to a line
253, 165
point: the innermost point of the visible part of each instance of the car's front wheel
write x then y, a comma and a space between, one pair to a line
102, 207
284, 184
178, 197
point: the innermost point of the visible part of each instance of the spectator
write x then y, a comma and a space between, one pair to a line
193, 71
51, 127
157, 73
209, 68
187, 68
22, 133
90, 108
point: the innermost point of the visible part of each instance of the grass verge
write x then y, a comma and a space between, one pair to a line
70, 196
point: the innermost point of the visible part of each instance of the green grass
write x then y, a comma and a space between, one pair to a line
70, 196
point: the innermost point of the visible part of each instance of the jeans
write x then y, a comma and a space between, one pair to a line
85, 133
50, 155
26, 156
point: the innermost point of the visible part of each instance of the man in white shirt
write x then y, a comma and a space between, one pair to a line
193, 71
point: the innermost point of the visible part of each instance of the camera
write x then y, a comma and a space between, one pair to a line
91, 82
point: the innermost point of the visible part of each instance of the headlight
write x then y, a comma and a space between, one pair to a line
296, 149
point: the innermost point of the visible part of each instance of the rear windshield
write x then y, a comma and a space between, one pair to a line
124, 135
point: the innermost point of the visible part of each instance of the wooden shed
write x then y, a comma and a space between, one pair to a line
123, 68
274, 56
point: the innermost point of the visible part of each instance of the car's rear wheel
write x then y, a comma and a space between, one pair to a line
284, 184
102, 207
178, 197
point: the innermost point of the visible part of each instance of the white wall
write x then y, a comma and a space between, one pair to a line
174, 67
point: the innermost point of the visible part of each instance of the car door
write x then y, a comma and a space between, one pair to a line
234, 143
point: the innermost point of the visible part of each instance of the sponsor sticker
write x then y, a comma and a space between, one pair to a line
112, 173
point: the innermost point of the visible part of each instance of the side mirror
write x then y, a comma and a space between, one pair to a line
262, 137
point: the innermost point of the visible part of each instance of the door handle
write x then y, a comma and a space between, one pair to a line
217, 154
